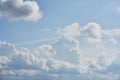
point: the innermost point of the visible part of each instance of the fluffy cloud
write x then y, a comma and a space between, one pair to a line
62, 60
7, 49
92, 32
37, 60
45, 51
71, 31
4, 62
45, 63
20, 10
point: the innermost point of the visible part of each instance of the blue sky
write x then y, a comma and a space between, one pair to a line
60, 14
60, 40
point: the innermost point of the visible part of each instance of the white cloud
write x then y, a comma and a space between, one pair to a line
4, 62
65, 48
71, 31
20, 10
113, 32
92, 32
45, 51
113, 41
61, 60
7, 49
25, 63
41, 59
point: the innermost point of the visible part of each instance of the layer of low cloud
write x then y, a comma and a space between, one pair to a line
45, 63
64, 59
20, 10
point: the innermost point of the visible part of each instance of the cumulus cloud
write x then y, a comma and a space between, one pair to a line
7, 49
4, 62
20, 10
45, 51
71, 31
92, 32
61, 60
23, 60
43, 62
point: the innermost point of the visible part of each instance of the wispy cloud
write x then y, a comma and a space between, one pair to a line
37, 41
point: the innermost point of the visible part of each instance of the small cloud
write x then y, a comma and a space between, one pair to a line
118, 9
71, 31
113, 41
113, 32
20, 10
92, 32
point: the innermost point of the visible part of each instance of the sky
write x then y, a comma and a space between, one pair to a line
59, 40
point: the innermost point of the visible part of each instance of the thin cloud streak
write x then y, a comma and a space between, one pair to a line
36, 41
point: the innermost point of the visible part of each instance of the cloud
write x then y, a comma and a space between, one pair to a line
20, 10
44, 62
71, 31
92, 32
37, 41
45, 51
115, 65
113, 41
7, 49
113, 32
4, 62
65, 59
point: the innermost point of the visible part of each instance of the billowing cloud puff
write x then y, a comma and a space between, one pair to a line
20, 10
92, 32
65, 59
45, 51
43, 63
4, 61
7, 49
71, 31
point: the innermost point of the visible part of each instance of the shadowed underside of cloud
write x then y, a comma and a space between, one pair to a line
63, 60
20, 10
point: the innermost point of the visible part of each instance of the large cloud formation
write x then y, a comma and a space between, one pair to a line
20, 10
63, 60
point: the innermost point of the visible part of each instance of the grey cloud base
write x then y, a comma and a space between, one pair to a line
20, 10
